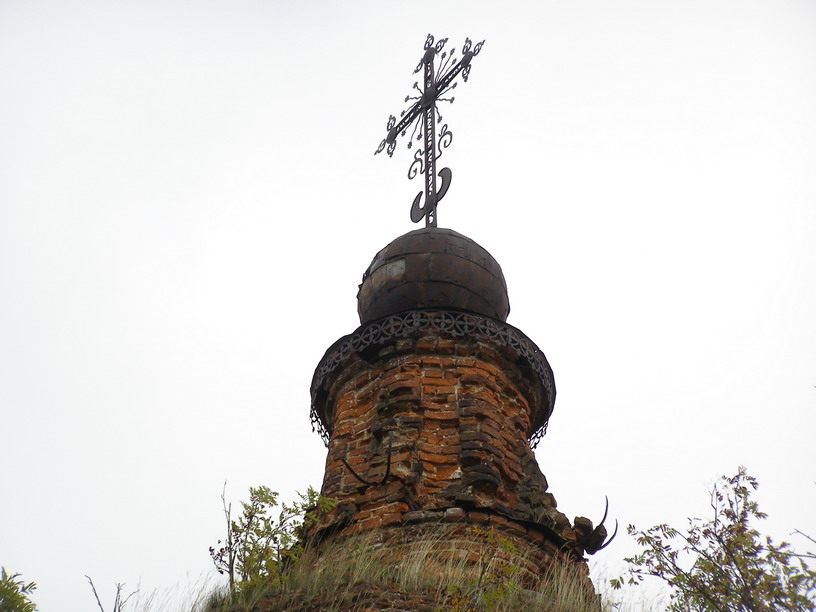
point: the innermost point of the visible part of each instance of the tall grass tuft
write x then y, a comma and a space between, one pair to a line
361, 572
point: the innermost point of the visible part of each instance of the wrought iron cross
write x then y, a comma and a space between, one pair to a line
425, 114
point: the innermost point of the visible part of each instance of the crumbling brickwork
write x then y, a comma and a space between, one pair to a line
432, 430
430, 411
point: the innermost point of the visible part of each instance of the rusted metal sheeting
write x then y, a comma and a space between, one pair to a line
433, 268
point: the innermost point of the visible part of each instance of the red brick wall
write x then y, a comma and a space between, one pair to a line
456, 415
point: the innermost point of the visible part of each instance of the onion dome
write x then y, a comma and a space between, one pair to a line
433, 268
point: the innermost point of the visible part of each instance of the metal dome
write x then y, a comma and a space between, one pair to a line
433, 268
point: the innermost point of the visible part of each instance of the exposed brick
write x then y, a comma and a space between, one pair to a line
390, 518
467, 436
446, 472
417, 515
498, 521
441, 415
491, 428
454, 514
429, 372
371, 522
440, 390
443, 448
430, 362
457, 413
437, 458
427, 343
478, 517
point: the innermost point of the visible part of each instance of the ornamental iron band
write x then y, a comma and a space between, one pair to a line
444, 322
425, 114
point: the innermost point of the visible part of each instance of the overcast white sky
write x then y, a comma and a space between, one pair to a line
188, 200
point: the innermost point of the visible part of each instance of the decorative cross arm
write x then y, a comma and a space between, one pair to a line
423, 115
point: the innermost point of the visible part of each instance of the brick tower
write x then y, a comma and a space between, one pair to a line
432, 407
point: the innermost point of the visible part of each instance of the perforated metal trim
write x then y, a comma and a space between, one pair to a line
445, 323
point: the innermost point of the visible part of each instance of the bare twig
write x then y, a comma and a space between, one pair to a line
807, 555
118, 602
93, 588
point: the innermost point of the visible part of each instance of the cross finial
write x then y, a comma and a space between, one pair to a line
423, 112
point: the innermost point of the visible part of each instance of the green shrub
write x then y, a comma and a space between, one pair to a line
15, 594
724, 563
258, 550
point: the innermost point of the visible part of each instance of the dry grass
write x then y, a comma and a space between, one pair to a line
360, 573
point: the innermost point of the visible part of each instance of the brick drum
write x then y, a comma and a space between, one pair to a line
433, 430
429, 410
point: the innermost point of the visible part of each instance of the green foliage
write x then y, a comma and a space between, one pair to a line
259, 549
724, 563
15, 593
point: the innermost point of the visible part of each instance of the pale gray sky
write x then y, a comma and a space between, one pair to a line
189, 197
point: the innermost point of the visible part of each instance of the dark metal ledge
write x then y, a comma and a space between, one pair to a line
445, 323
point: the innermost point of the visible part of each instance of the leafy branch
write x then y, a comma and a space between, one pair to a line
259, 547
724, 563
15, 593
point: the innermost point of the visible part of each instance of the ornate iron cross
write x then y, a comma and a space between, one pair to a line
425, 114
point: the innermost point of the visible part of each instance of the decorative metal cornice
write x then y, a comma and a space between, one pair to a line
435, 84
453, 324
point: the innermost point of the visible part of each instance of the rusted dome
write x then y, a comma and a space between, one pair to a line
433, 268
